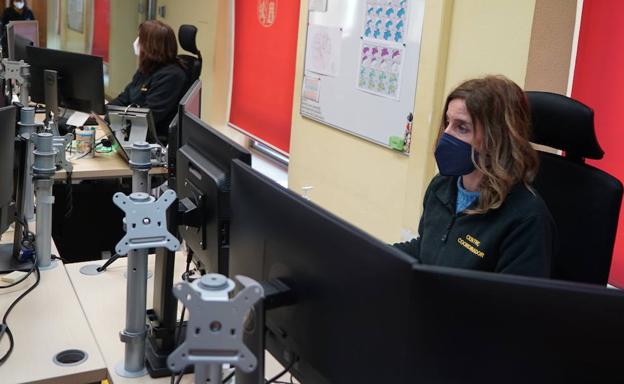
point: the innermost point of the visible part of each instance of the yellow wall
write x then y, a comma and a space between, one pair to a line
72, 40
124, 24
214, 36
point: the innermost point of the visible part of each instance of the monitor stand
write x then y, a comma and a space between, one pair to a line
9, 263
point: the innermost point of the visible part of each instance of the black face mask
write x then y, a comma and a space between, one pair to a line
454, 157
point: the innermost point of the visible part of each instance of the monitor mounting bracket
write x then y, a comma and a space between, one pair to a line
216, 325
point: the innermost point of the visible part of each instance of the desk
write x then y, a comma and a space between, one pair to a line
48, 320
102, 166
103, 300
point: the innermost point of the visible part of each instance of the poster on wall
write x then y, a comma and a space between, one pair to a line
265, 55
386, 20
380, 70
75, 15
323, 47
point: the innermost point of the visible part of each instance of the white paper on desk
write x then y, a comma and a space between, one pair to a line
78, 119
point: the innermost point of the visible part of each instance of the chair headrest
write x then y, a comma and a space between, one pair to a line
186, 36
564, 123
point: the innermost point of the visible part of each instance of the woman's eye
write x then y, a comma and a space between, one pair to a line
463, 129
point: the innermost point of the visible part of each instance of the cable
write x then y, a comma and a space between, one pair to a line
110, 261
4, 324
229, 377
279, 375
69, 196
189, 258
55, 257
180, 377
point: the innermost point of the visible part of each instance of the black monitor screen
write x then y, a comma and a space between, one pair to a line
80, 78
19, 47
191, 101
203, 181
7, 146
352, 292
477, 327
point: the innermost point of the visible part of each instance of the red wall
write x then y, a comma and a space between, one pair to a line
101, 29
264, 69
599, 83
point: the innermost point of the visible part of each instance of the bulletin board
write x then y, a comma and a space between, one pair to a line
361, 67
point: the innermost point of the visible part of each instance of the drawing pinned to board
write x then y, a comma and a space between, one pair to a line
380, 69
311, 88
386, 20
323, 50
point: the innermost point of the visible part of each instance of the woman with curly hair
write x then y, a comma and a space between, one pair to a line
480, 212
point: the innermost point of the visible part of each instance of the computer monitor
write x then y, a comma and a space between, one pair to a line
7, 158
351, 291
8, 251
19, 47
203, 168
164, 313
364, 313
476, 327
18, 34
191, 101
80, 78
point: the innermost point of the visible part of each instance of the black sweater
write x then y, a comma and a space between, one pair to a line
517, 238
10, 14
160, 92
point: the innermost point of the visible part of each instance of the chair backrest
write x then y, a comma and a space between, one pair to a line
583, 200
193, 64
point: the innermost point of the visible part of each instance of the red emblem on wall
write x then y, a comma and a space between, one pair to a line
267, 12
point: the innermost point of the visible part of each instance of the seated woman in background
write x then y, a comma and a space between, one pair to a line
18, 10
480, 212
159, 82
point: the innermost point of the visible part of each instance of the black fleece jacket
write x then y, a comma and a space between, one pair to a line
11, 14
160, 92
517, 238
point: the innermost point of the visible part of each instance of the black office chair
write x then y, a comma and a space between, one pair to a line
192, 64
583, 200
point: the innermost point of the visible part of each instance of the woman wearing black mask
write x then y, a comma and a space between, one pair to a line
480, 212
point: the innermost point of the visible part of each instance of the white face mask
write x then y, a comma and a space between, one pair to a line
19, 4
136, 46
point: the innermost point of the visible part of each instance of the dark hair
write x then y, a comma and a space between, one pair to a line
158, 46
499, 107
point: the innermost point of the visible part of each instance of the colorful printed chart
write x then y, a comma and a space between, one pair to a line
386, 20
380, 69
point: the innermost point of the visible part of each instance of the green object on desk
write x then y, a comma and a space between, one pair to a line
397, 143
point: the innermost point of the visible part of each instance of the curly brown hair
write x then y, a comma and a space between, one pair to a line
159, 46
498, 107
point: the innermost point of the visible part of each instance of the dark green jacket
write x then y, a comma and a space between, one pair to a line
517, 238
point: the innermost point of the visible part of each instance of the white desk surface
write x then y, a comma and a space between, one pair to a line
103, 299
48, 320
